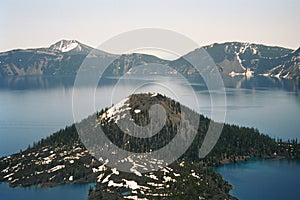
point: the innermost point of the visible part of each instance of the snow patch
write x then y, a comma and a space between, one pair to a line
107, 178
134, 198
195, 175
114, 111
239, 60
135, 171
131, 184
287, 75
58, 167
266, 74
65, 45
152, 176
168, 179
136, 111
244, 48
249, 73
155, 184
254, 51
175, 174
113, 184
115, 171
8, 175
100, 177
165, 170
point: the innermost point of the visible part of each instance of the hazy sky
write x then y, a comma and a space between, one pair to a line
37, 23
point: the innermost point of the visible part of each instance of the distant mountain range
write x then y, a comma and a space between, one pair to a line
232, 58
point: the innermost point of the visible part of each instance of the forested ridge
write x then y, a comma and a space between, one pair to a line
62, 158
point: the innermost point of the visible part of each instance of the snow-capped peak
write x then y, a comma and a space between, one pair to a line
65, 45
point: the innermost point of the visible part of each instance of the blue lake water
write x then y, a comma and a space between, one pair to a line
263, 179
66, 192
34, 107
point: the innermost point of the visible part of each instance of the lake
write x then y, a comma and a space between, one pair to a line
263, 179
66, 192
34, 107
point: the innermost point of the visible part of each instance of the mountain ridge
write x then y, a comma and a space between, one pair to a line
232, 59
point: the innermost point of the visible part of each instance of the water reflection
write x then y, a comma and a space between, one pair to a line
261, 82
271, 105
35, 82
238, 82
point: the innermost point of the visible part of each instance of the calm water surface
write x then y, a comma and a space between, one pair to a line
34, 107
263, 179
66, 192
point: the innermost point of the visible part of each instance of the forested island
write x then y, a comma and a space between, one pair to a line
62, 157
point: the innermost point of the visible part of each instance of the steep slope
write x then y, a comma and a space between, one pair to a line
288, 66
63, 58
126, 62
71, 46
28, 62
232, 58
62, 158
235, 58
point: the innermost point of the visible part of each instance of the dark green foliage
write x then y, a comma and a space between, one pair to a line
134, 144
62, 137
62, 146
30, 167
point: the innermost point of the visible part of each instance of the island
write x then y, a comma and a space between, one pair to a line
63, 158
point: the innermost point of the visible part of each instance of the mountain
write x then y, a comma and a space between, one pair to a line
65, 57
61, 58
62, 157
235, 58
260, 59
232, 58
289, 66
126, 62
70, 46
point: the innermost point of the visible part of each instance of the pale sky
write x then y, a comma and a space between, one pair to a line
36, 23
